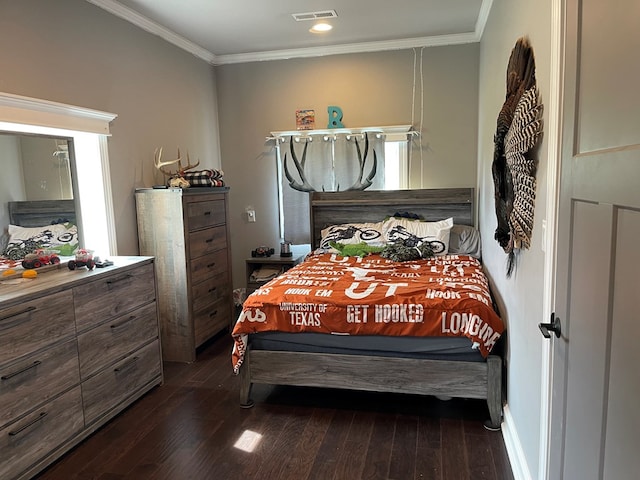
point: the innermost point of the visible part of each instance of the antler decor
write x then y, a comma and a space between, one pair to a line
359, 184
176, 179
304, 186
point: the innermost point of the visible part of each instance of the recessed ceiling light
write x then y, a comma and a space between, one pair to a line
320, 28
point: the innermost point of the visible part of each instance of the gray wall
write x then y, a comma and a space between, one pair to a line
372, 89
521, 296
73, 52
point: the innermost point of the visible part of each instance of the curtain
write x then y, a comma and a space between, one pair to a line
331, 163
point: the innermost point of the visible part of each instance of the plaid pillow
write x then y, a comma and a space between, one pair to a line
205, 178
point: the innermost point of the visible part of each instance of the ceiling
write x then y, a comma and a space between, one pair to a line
237, 31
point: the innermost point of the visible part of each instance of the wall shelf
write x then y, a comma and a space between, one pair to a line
391, 133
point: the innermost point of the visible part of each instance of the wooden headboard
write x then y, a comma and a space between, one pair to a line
333, 208
36, 213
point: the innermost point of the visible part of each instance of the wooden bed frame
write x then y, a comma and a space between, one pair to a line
36, 213
481, 380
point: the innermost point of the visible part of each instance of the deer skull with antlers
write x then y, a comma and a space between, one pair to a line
176, 179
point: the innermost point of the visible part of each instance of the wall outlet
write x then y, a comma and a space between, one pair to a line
251, 216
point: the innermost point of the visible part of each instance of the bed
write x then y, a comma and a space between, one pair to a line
49, 224
322, 357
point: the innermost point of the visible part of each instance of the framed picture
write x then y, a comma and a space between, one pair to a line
305, 119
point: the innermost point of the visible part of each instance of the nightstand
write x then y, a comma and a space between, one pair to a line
275, 262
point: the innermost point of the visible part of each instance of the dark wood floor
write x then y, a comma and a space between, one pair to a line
187, 428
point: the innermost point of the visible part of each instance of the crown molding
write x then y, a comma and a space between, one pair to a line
150, 26
115, 8
483, 16
364, 47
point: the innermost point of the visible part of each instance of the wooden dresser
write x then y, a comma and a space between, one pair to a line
187, 232
76, 348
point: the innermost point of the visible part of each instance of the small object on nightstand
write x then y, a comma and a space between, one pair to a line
262, 251
285, 249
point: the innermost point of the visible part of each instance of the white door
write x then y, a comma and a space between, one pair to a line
595, 408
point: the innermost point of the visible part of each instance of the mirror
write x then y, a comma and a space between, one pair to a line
36, 168
40, 166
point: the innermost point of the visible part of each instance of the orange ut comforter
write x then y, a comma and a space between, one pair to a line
328, 293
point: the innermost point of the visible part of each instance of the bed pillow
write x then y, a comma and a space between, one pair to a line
350, 233
61, 238
465, 240
418, 231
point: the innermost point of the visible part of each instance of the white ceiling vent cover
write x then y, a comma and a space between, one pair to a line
301, 17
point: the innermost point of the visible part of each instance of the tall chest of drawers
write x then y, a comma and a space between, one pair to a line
187, 232
76, 348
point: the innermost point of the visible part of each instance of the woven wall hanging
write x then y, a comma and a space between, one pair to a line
518, 130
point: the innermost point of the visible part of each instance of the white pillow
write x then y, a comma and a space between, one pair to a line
418, 231
348, 233
61, 238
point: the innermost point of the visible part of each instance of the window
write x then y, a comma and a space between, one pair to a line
332, 160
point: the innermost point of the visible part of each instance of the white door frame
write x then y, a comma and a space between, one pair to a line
554, 129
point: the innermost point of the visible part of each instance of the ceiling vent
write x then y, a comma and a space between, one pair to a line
301, 17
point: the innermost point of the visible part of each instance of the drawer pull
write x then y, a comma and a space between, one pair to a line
22, 370
124, 366
207, 213
123, 322
213, 314
13, 433
213, 264
213, 289
21, 312
111, 283
208, 240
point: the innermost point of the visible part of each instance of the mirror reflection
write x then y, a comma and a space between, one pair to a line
41, 166
37, 196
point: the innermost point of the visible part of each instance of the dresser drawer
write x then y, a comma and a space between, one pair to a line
210, 320
29, 439
33, 325
113, 296
37, 378
111, 387
117, 338
205, 214
208, 266
210, 290
207, 241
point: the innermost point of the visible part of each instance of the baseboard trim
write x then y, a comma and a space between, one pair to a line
514, 448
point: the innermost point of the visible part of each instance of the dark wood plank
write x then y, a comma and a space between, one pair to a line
351, 459
481, 465
298, 464
325, 463
404, 450
428, 449
379, 451
454, 454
